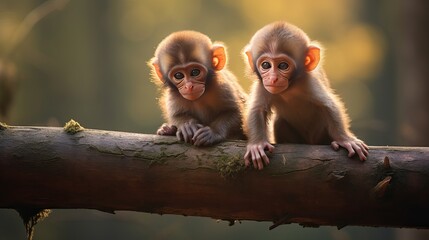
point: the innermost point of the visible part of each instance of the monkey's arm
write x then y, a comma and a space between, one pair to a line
338, 128
177, 113
227, 124
258, 113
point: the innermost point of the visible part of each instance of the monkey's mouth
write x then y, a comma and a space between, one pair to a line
275, 89
192, 96
277, 86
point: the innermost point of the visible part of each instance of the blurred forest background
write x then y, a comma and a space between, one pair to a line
86, 60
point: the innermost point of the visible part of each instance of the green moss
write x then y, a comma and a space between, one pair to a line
3, 126
72, 127
229, 166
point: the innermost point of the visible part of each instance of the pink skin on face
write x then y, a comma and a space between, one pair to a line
275, 71
189, 79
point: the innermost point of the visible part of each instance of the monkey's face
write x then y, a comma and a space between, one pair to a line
276, 71
190, 79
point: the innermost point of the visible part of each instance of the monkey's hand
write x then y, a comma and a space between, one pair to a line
255, 153
353, 145
186, 131
167, 130
206, 137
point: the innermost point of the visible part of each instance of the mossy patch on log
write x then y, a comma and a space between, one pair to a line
229, 166
3, 126
73, 127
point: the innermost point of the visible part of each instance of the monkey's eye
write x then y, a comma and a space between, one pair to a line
266, 65
179, 75
283, 66
195, 72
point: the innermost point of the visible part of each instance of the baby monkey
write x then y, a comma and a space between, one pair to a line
201, 100
292, 84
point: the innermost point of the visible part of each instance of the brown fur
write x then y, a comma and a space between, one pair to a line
307, 111
221, 105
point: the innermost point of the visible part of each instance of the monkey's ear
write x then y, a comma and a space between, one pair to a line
313, 57
156, 67
219, 57
249, 57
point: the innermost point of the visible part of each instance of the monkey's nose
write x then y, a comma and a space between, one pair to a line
274, 78
189, 86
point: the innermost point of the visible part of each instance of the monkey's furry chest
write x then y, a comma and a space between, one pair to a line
302, 121
204, 115
202, 111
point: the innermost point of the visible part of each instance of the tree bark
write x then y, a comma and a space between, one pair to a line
307, 184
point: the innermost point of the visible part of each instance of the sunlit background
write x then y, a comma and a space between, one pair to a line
86, 60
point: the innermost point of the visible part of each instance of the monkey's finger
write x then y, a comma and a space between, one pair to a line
365, 149
187, 133
247, 162
350, 149
246, 159
335, 145
194, 128
359, 151
161, 130
201, 131
255, 165
362, 157
361, 144
183, 136
200, 136
201, 140
254, 159
266, 160
270, 147
179, 135
167, 130
198, 142
246, 155
264, 156
260, 164
257, 162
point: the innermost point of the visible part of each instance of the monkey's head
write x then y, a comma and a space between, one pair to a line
280, 52
187, 61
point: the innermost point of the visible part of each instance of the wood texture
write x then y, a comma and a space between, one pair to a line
311, 185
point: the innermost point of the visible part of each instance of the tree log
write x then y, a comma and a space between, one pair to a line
43, 167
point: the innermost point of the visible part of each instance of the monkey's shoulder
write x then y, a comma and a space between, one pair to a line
226, 75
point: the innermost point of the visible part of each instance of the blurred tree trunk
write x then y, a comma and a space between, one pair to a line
413, 84
413, 69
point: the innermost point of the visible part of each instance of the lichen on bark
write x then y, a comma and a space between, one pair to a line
3, 126
72, 127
